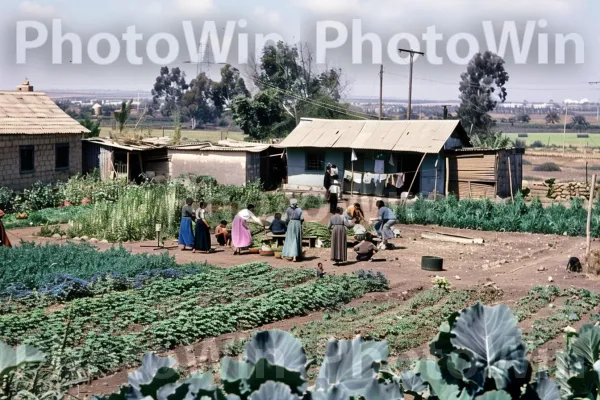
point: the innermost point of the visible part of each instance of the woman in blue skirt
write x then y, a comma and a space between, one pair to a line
186, 236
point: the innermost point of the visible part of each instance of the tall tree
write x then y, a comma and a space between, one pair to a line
231, 85
169, 89
481, 89
262, 116
579, 123
197, 101
122, 115
552, 117
92, 126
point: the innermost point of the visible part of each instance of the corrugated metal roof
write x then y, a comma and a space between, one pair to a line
34, 113
232, 146
125, 145
409, 136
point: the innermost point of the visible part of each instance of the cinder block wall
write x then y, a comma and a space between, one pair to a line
45, 159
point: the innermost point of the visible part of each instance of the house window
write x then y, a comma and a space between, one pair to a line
62, 156
315, 162
27, 159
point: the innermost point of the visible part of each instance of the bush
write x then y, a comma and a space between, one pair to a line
520, 144
537, 144
547, 167
6, 199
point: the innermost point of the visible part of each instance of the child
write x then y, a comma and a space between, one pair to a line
222, 235
278, 227
320, 273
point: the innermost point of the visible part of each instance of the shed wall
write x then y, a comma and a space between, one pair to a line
299, 176
227, 167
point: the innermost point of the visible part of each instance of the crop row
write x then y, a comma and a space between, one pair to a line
31, 266
100, 339
515, 216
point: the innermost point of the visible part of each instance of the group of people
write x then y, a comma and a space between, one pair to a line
365, 250
241, 235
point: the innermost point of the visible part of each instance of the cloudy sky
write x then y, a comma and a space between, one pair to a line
550, 46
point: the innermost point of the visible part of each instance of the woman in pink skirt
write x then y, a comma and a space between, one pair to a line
240, 233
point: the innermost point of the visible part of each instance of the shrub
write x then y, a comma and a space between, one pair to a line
6, 199
520, 144
547, 167
537, 144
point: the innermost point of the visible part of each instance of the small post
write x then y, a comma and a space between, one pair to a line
127, 177
589, 217
414, 178
586, 172
435, 182
510, 179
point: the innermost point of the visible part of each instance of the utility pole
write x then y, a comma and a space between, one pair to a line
381, 92
412, 55
597, 104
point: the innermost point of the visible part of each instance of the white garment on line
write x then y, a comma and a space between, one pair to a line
368, 178
400, 181
347, 175
358, 177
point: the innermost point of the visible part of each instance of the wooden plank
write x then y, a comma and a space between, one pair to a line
441, 237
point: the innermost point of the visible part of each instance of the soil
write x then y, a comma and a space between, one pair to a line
572, 169
512, 261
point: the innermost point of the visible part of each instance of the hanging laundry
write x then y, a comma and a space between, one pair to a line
392, 162
400, 181
368, 178
347, 175
353, 156
358, 177
379, 166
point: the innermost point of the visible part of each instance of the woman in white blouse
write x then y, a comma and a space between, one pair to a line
202, 238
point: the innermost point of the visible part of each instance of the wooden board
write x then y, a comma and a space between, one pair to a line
442, 237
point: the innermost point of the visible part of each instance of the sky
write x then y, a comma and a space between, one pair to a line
552, 53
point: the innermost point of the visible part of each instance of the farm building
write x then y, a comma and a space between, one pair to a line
122, 158
229, 162
38, 141
384, 158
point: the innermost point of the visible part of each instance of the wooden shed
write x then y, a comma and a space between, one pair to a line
484, 173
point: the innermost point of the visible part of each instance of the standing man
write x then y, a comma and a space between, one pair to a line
4, 242
387, 219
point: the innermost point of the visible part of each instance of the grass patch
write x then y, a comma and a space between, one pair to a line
547, 167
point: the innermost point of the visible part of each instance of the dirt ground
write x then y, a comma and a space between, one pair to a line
512, 261
572, 169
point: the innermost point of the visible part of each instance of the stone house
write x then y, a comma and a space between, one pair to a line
38, 141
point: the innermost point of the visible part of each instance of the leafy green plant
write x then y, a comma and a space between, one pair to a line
480, 355
578, 368
49, 231
441, 283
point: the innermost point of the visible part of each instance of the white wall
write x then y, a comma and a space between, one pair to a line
227, 167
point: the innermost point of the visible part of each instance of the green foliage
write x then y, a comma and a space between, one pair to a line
578, 368
48, 216
6, 199
547, 167
32, 266
49, 231
123, 114
579, 123
486, 215
481, 88
92, 126
441, 283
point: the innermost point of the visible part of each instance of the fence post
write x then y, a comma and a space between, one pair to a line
589, 218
